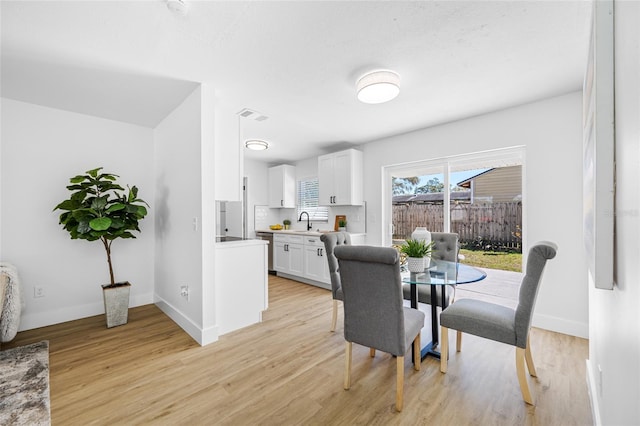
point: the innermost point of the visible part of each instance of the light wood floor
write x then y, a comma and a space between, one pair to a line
288, 370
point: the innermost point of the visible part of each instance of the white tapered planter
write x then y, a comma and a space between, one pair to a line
116, 303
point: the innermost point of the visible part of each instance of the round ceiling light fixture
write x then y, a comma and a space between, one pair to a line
178, 6
256, 144
377, 87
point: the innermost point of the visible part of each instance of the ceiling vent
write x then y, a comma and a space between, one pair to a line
252, 115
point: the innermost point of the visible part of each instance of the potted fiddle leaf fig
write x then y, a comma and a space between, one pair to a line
417, 251
99, 209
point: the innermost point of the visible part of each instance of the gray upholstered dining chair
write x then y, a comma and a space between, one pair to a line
499, 323
374, 315
445, 247
331, 240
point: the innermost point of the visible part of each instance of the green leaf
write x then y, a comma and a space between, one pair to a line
133, 194
83, 227
94, 173
142, 211
67, 205
131, 208
80, 214
108, 176
76, 187
99, 203
117, 223
77, 179
100, 224
115, 207
79, 196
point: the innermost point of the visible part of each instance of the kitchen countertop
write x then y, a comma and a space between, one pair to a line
231, 242
300, 232
226, 239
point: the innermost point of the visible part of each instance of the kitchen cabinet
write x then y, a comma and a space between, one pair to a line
301, 256
340, 178
316, 266
288, 254
282, 186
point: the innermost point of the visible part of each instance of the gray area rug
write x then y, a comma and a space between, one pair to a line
24, 385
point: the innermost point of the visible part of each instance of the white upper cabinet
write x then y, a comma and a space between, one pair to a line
340, 178
282, 186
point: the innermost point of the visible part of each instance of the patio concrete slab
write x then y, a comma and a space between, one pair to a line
500, 287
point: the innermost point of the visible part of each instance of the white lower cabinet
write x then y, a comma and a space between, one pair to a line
316, 266
288, 254
302, 258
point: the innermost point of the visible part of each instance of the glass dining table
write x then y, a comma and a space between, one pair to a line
439, 273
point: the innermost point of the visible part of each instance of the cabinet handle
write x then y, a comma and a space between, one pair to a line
318, 252
286, 247
321, 254
281, 203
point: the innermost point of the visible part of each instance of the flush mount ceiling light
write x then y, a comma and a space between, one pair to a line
378, 86
256, 144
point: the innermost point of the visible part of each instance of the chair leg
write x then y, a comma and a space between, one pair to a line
416, 353
458, 341
399, 382
372, 352
444, 348
347, 366
527, 356
522, 378
334, 315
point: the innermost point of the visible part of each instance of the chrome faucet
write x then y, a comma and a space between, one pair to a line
300, 220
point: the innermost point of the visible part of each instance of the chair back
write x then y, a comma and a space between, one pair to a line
445, 246
538, 256
332, 240
372, 291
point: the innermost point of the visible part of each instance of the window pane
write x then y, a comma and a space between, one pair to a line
308, 200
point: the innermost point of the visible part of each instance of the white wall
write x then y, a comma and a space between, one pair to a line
614, 323
41, 149
178, 251
551, 131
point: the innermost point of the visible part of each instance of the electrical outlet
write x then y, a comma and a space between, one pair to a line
184, 291
38, 292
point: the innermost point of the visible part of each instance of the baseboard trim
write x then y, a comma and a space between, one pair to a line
29, 321
592, 388
561, 325
202, 336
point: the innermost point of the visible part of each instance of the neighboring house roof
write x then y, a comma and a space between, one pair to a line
467, 182
431, 197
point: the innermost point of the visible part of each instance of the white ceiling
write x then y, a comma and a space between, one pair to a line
296, 62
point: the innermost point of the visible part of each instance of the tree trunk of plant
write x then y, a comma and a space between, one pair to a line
107, 247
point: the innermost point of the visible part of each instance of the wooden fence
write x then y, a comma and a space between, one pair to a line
495, 224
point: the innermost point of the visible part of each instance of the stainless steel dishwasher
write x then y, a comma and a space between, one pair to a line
268, 236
